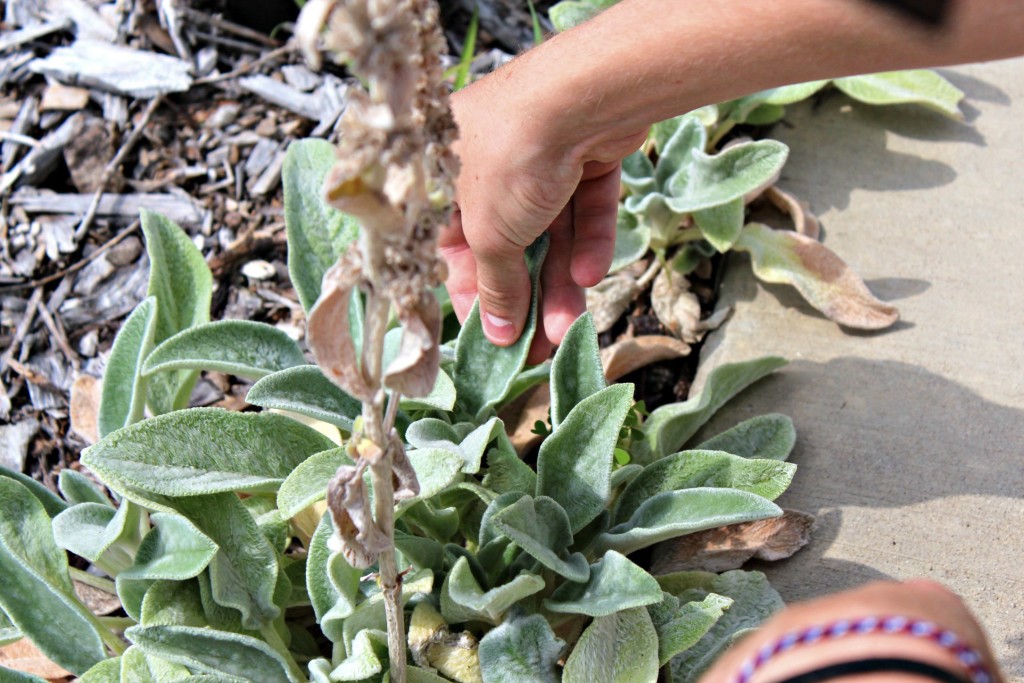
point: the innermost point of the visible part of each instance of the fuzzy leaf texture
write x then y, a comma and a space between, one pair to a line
173, 550
123, 397
615, 584
576, 371
215, 652
709, 469
522, 649
333, 584
462, 598
484, 373
204, 450
541, 528
237, 347
307, 391
753, 602
618, 648
671, 426
317, 233
37, 595
770, 436
632, 240
916, 86
574, 464
820, 276
78, 488
101, 534
182, 285
51, 502
244, 570
681, 625
676, 513
308, 482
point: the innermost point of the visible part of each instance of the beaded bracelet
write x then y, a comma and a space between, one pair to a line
965, 654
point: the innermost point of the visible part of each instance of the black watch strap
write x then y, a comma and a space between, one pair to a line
929, 11
878, 665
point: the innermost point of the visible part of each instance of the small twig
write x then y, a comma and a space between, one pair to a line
20, 139
75, 266
245, 68
230, 27
58, 334
114, 164
649, 274
23, 327
227, 42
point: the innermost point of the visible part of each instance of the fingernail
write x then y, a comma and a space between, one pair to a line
499, 330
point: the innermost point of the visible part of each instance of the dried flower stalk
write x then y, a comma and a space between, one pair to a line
394, 173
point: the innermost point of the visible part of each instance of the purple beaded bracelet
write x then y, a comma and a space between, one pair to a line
926, 630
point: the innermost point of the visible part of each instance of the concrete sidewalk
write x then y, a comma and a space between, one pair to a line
910, 441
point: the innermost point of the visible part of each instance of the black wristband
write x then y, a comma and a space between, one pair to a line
930, 11
877, 665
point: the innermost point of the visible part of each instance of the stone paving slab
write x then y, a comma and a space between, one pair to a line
910, 441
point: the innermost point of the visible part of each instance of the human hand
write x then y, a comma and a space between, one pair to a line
917, 599
521, 177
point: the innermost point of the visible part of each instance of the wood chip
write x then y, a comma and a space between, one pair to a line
86, 394
58, 97
283, 95
126, 206
14, 442
729, 547
117, 69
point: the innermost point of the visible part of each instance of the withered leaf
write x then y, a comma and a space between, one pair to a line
627, 355
413, 372
98, 601
406, 484
610, 298
821, 277
729, 547
804, 222
22, 655
328, 332
356, 535
676, 306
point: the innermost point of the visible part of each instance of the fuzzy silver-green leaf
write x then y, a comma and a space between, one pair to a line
574, 464
204, 450
317, 233
238, 347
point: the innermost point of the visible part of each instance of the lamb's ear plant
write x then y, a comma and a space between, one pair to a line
687, 198
256, 546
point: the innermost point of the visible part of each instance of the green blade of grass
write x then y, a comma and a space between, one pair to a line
468, 52
538, 32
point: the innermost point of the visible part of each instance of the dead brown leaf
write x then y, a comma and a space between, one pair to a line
676, 306
522, 414
610, 298
729, 547
86, 393
98, 601
414, 371
804, 222
356, 535
627, 355
23, 655
328, 333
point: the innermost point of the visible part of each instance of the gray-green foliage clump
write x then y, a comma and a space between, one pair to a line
215, 543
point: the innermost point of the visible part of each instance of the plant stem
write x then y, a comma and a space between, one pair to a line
720, 133
383, 482
117, 624
97, 582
